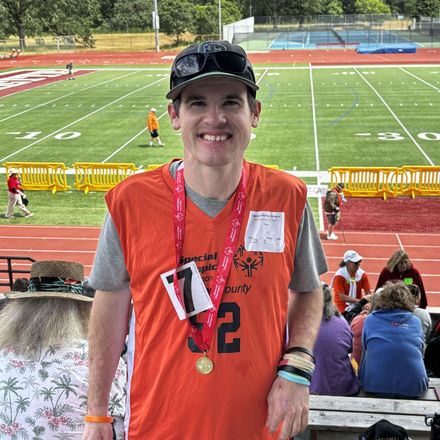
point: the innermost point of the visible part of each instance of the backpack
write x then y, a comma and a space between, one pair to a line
383, 430
432, 352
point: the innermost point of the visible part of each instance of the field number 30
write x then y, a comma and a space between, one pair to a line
426, 136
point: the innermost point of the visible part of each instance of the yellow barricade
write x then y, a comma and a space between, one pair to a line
388, 181
43, 176
153, 166
100, 176
420, 181
366, 181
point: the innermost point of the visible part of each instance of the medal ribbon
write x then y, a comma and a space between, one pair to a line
203, 338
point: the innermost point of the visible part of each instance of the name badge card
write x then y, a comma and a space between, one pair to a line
265, 231
194, 291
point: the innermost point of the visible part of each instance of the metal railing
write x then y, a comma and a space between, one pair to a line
10, 270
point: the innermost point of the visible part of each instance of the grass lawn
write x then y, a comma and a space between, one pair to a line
312, 120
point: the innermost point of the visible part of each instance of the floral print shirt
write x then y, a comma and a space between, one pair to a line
46, 398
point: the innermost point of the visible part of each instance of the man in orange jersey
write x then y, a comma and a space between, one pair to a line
153, 127
217, 256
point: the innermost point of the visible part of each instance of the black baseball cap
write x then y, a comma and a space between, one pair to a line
211, 59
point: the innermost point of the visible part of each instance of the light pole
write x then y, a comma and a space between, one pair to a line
219, 19
156, 25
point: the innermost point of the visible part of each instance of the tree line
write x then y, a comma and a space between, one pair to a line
30, 18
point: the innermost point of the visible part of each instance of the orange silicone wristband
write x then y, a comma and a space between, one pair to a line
98, 419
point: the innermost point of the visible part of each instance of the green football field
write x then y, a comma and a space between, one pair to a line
312, 119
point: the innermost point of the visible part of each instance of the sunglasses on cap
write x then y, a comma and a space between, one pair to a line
226, 61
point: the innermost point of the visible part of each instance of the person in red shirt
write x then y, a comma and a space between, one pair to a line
15, 194
400, 268
349, 281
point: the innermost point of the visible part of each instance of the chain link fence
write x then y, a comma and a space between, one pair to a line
330, 31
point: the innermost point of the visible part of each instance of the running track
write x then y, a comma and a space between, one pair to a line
79, 244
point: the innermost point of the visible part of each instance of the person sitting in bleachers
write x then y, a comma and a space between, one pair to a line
392, 346
357, 325
400, 267
349, 281
334, 374
422, 314
44, 357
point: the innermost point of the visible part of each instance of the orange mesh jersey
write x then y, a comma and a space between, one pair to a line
167, 398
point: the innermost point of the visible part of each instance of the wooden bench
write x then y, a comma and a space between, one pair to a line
344, 418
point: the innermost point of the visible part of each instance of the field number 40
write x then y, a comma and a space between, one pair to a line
426, 136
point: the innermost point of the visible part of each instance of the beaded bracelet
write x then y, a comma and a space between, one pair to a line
293, 378
98, 419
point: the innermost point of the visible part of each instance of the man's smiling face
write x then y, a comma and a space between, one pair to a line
215, 120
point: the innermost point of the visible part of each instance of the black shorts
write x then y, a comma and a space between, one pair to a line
154, 134
332, 218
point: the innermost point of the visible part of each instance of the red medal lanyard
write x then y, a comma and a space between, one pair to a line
203, 338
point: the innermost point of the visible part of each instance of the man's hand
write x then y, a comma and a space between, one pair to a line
97, 431
288, 403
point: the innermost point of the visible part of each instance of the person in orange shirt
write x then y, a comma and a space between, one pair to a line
349, 281
207, 357
153, 128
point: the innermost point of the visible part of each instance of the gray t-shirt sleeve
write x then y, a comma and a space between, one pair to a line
109, 272
310, 260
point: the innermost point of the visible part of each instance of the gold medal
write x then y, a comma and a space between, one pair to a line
204, 365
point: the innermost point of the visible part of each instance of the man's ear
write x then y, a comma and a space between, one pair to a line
256, 114
174, 118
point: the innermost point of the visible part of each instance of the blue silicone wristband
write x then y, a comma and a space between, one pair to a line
293, 378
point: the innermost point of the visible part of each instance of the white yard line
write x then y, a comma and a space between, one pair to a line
130, 140
262, 75
396, 118
123, 146
64, 96
315, 140
420, 79
315, 128
400, 242
80, 119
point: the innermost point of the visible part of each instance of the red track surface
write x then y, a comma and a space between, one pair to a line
316, 57
79, 244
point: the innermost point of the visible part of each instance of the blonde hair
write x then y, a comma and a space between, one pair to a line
394, 296
395, 259
32, 324
329, 309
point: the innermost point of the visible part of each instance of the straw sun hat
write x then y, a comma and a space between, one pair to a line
55, 279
